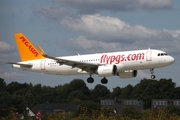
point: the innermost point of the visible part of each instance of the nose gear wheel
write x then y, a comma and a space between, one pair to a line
152, 75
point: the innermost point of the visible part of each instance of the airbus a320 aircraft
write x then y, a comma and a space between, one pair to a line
124, 64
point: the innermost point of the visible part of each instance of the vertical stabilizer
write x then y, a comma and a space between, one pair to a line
26, 49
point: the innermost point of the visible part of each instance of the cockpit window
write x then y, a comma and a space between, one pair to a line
162, 54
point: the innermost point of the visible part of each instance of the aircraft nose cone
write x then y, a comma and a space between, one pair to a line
171, 60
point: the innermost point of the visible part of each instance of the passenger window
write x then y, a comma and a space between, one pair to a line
159, 54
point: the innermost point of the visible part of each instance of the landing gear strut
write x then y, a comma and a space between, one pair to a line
152, 76
104, 81
90, 80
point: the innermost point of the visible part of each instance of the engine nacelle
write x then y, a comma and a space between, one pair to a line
127, 74
107, 70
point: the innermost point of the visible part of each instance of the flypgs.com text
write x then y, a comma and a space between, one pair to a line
109, 59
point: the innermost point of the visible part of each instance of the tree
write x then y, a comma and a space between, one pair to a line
78, 84
167, 87
100, 92
149, 89
62, 92
29, 99
5, 103
2, 84
47, 94
116, 93
19, 103
12, 87
126, 92
176, 93
76, 95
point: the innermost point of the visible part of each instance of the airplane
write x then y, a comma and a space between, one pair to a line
124, 64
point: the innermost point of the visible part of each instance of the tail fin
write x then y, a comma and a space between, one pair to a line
26, 49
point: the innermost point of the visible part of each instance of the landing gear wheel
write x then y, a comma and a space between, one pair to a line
104, 81
90, 80
153, 76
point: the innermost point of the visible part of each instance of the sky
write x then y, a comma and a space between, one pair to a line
71, 27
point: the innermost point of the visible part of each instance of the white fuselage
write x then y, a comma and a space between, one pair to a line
130, 60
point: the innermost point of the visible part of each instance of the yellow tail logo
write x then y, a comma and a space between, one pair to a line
26, 49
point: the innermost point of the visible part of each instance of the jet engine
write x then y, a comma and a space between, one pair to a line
127, 74
107, 70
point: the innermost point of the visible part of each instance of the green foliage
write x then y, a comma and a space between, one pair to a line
130, 112
101, 115
116, 93
100, 92
17, 96
127, 91
89, 106
171, 109
2, 85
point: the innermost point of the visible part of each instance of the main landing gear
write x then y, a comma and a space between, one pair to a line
152, 76
104, 81
91, 80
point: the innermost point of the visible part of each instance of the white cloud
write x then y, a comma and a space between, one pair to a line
4, 47
6, 52
143, 74
51, 12
109, 29
174, 33
111, 33
82, 43
10, 75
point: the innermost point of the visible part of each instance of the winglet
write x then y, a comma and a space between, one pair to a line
26, 49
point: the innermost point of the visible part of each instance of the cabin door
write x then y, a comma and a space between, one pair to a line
43, 62
149, 56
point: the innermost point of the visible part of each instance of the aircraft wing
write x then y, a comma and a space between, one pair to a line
22, 64
88, 67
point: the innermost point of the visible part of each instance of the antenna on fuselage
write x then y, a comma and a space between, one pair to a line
149, 48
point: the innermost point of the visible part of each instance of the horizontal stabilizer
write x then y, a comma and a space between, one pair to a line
41, 51
22, 64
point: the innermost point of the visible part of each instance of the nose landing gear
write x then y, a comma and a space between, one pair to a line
152, 75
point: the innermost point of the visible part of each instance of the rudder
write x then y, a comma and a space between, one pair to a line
26, 49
